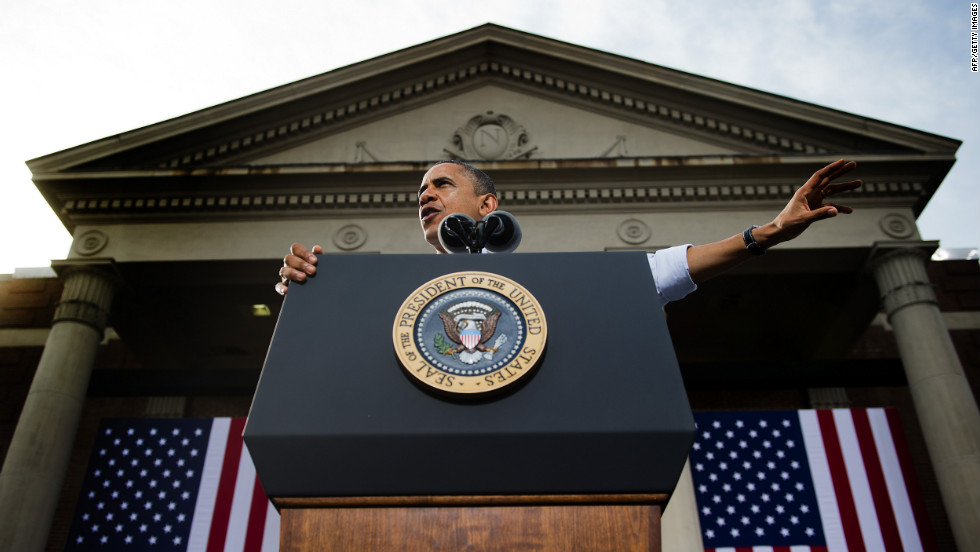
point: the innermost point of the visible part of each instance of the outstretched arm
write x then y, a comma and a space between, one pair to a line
809, 204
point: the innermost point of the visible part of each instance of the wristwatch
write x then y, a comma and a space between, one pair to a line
750, 243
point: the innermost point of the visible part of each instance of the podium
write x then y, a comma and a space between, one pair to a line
580, 455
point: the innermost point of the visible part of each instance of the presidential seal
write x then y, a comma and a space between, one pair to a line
469, 333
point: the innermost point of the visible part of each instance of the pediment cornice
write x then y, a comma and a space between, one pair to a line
684, 120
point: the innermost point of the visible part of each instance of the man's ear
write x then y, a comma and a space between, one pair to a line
488, 205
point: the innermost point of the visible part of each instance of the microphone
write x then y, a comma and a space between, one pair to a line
503, 232
498, 232
457, 234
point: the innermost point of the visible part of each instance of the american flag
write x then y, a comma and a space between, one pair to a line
806, 480
173, 484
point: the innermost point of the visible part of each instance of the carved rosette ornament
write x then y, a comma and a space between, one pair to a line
633, 231
90, 242
491, 136
897, 226
350, 237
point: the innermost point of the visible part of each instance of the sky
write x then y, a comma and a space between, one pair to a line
74, 72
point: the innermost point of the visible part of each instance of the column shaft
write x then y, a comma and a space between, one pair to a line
943, 401
35, 465
680, 526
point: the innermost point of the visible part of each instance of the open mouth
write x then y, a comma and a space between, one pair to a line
427, 213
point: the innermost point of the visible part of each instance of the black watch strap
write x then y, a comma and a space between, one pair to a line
750, 243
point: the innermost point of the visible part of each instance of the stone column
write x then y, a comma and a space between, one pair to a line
35, 466
680, 526
944, 404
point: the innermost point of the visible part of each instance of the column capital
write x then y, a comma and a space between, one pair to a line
90, 285
102, 265
882, 251
899, 268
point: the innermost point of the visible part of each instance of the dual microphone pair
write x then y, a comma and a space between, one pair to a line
498, 232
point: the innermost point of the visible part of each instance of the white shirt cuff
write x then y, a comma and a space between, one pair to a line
671, 274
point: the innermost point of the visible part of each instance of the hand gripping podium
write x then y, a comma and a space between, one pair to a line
581, 454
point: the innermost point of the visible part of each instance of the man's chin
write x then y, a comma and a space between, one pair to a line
431, 227
431, 234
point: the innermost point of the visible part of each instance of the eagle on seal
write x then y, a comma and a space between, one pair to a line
470, 335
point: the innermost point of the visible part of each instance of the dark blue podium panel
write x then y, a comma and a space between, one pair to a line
605, 412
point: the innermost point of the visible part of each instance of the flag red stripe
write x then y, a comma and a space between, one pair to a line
818, 549
842, 484
226, 487
876, 480
780, 549
256, 519
926, 536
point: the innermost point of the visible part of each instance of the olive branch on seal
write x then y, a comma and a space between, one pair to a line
443, 346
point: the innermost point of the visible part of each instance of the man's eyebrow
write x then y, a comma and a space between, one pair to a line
437, 180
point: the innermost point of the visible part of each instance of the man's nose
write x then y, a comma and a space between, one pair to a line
426, 196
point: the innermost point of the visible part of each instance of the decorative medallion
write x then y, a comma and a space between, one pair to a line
491, 136
90, 242
633, 231
469, 333
897, 226
350, 237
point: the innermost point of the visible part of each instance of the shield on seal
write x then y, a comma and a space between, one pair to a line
470, 335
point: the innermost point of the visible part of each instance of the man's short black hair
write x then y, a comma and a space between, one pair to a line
482, 183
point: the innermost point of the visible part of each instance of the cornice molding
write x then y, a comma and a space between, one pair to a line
270, 204
374, 189
924, 166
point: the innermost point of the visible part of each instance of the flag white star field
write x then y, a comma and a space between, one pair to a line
807, 480
173, 484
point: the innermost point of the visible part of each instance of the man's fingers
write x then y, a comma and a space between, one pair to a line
829, 210
823, 177
829, 172
303, 253
836, 169
842, 169
292, 275
825, 212
298, 264
841, 187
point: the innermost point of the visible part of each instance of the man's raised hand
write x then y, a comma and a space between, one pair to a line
811, 202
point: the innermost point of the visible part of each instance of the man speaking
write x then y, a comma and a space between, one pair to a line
450, 187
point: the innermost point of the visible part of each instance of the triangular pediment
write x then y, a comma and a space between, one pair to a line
348, 139
495, 122
572, 102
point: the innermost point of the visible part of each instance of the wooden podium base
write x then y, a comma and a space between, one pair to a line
527, 522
